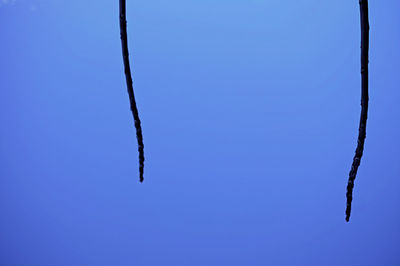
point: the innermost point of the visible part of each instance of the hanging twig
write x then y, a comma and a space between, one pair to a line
125, 54
364, 103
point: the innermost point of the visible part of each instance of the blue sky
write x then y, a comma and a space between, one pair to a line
250, 115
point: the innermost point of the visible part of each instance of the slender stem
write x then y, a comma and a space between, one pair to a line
135, 113
364, 104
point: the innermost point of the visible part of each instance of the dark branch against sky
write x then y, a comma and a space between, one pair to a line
364, 104
129, 84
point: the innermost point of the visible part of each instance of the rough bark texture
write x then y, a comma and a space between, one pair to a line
129, 84
364, 103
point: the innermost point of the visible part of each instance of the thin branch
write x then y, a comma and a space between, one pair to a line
364, 104
135, 113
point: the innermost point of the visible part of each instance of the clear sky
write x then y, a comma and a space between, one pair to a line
250, 115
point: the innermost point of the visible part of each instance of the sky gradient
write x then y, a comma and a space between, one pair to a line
250, 113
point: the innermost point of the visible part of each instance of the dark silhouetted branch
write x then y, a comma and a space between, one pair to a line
364, 104
125, 54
